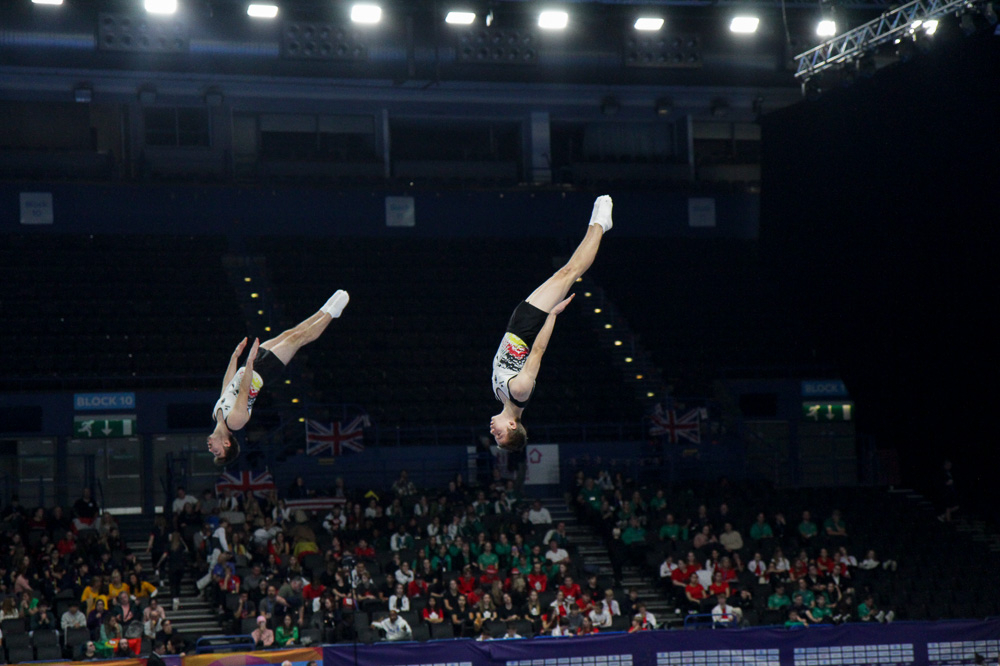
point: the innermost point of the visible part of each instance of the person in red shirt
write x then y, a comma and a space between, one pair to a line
587, 627
491, 574
570, 588
537, 580
417, 588
824, 562
433, 614
312, 591
637, 625
800, 567
728, 571
466, 582
694, 594
363, 551
718, 586
585, 603
67, 544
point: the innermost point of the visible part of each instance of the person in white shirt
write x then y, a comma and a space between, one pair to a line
609, 602
723, 614
398, 601
334, 521
73, 618
667, 567
404, 575
648, 619
182, 499
539, 515
395, 627
600, 617
555, 554
511, 632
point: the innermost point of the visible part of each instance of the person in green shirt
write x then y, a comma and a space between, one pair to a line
835, 529
634, 533
820, 613
502, 549
794, 621
779, 599
807, 530
287, 633
672, 531
658, 503
760, 530
488, 558
808, 596
590, 495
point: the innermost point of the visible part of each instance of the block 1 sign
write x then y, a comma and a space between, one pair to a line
104, 427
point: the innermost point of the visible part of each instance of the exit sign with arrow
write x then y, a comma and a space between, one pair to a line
104, 427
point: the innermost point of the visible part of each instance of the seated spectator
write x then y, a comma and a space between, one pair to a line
835, 529
703, 538
534, 612
262, 636
779, 567
869, 612
537, 580
152, 618
795, 621
465, 620
724, 615
600, 617
587, 627
141, 590
820, 613
779, 600
73, 618
556, 554
43, 619
287, 632
403, 487
760, 531
85, 511
110, 629
637, 625
398, 601
647, 618
95, 618
730, 539
807, 530
694, 594
432, 612
511, 632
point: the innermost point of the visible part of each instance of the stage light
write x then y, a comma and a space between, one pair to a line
638, 376
288, 381
930, 27
161, 6
744, 24
366, 13
628, 359
295, 401
587, 294
826, 28
607, 326
618, 343
460, 18
260, 312
597, 310
260, 10
47, 2
649, 394
246, 279
648, 23
267, 329
254, 295
553, 20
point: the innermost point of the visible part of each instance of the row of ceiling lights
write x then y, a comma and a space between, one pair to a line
548, 19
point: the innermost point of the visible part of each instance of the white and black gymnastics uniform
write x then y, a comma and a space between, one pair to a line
267, 365
522, 329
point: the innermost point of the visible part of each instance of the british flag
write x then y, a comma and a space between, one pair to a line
666, 422
241, 483
336, 437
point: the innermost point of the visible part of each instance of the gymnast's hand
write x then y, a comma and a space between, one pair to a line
239, 348
252, 356
561, 306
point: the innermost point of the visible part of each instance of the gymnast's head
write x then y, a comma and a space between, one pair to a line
508, 432
224, 446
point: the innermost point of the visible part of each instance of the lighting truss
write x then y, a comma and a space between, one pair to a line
855, 43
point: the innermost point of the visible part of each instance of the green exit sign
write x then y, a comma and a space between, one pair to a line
823, 412
104, 427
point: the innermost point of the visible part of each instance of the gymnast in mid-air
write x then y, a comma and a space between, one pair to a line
517, 361
241, 385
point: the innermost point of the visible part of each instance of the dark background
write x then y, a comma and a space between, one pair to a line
879, 221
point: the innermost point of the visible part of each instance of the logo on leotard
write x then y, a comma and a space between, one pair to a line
514, 353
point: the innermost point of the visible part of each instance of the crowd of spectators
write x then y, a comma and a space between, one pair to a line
467, 561
72, 573
739, 566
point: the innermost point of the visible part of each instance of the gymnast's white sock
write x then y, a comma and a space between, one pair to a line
336, 304
602, 213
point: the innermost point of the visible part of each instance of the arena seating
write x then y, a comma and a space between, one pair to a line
425, 319
115, 311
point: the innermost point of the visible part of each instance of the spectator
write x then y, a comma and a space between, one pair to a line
779, 600
807, 530
647, 618
287, 633
465, 619
723, 614
398, 601
600, 616
95, 618
730, 539
869, 612
556, 554
403, 487
760, 531
820, 613
182, 500
637, 625
394, 627
43, 619
152, 618
432, 612
73, 618
795, 621
125, 610
85, 510
262, 636
539, 515
587, 627
511, 632
141, 590
835, 529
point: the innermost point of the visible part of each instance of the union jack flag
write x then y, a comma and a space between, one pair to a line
666, 422
241, 483
336, 437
